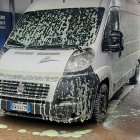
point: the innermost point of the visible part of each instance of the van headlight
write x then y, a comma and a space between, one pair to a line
80, 61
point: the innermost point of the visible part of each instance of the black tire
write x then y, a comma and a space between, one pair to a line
134, 79
101, 102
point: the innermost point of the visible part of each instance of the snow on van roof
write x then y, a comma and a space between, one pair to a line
58, 4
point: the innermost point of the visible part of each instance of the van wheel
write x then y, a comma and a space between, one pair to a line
100, 106
134, 79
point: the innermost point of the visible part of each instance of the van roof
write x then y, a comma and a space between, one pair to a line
58, 4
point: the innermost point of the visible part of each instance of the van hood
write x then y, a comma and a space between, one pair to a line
50, 63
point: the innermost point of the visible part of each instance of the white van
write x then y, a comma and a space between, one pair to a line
65, 59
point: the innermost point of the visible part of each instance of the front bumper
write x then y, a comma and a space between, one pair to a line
44, 111
73, 100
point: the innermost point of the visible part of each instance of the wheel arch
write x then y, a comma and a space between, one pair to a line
104, 75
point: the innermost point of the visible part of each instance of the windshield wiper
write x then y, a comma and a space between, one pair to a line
15, 44
43, 47
57, 46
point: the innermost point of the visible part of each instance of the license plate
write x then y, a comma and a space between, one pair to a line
20, 107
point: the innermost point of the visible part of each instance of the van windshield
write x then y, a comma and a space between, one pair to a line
57, 28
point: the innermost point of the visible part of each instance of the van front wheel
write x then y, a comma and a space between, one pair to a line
134, 79
100, 106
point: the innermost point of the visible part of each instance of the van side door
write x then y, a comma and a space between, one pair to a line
130, 26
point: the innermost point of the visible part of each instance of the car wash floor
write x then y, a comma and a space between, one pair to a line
123, 123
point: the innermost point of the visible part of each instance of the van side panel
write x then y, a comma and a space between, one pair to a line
130, 26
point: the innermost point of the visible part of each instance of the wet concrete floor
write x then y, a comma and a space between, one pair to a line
123, 123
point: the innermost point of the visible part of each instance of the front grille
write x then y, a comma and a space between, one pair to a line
31, 90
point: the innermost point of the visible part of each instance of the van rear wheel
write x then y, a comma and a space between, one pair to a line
135, 78
100, 106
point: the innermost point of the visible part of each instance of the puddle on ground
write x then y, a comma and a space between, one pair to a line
9, 129
22, 131
36, 133
65, 134
2, 126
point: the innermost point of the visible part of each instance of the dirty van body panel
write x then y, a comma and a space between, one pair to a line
52, 95
35, 62
37, 59
33, 80
73, 99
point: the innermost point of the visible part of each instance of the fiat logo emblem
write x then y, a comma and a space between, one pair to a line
20, 88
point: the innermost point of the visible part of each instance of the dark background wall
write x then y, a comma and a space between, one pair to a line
10, 12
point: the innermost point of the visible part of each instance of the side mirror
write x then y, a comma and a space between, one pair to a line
114, 42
